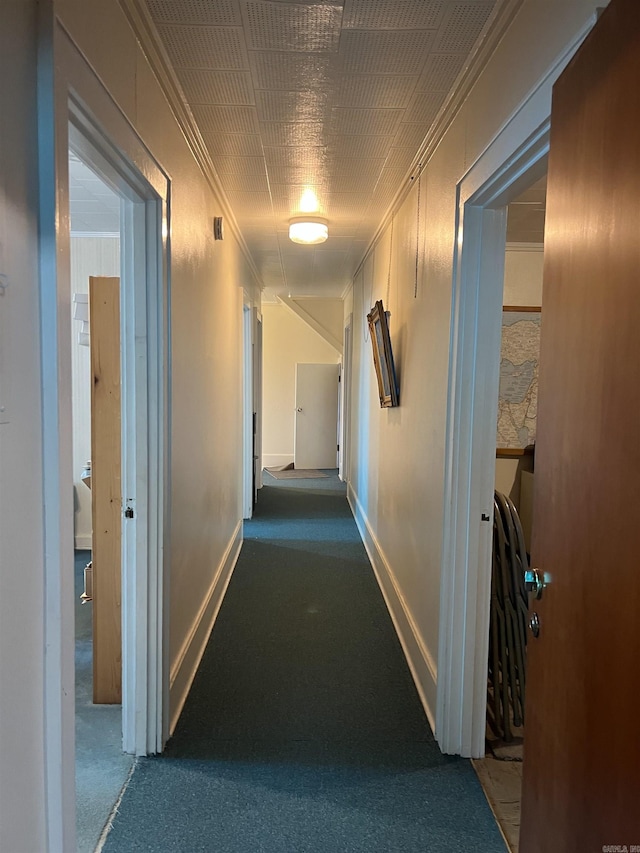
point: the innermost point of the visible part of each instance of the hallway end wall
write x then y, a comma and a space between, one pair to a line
287, 340
396, 476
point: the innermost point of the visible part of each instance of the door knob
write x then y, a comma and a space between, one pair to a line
534, 582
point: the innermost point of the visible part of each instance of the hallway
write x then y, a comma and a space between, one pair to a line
303, 730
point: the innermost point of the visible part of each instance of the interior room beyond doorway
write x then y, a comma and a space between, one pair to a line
500, 772
101, 765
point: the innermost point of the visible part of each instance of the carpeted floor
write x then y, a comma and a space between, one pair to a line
101, 766
303, 732
296, 474
290, 472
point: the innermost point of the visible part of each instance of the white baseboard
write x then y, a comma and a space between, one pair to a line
184, 669
83, 543
272, 460
422, 666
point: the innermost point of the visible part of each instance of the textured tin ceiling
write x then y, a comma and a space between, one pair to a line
337, 97
94, 207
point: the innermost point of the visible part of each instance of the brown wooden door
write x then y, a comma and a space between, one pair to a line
581, 784
106, 489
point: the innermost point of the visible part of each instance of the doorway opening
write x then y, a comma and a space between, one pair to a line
101, 765
252, 408
470, 457
248, 417
344, 426
118, 223
300, 387
500, 772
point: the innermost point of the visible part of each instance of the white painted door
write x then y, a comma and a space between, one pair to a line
316, 416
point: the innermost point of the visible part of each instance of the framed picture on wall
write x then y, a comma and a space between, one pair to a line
388, 390
518, 394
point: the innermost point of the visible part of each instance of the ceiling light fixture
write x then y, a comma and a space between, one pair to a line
308, 230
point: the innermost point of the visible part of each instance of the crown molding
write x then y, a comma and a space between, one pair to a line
347, 288
498, 23
154, 52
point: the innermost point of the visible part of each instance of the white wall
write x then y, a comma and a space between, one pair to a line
327, 312
207, 281
523, 274
287, 340
90, 256
397, 455
22, 792
396, 459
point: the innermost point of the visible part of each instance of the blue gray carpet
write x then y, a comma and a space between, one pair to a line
303, 732
101, 766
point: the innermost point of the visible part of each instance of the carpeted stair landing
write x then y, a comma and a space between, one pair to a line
303, 731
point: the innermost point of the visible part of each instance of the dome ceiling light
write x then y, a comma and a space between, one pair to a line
308, 230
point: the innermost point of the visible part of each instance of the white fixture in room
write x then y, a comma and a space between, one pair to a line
308, 230
81, 312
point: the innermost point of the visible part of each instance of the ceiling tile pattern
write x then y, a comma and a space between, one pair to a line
461, 25
381, 92
94, 208
292, 27
215, 48
217, 87
386, 51
227, 119
336, 97
401, 15
221, 12
440, 72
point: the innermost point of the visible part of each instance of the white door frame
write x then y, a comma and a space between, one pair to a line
247, 411
471, 445
257, 394
63, 123
345, 399
340, 416
514, 160
144, 475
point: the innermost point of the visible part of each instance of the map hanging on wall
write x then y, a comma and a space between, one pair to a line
518, 395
